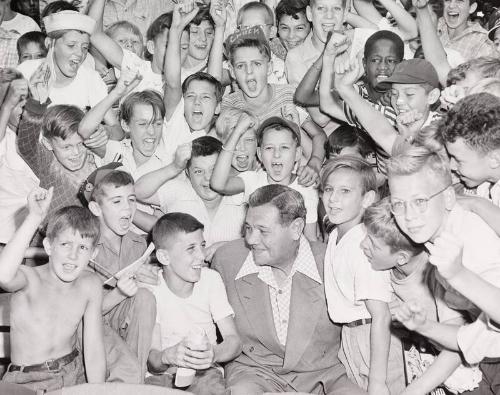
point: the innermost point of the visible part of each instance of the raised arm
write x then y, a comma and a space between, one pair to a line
183, 13
407, 26
306, 94
358, 21
13, 279
219, 15
16, 96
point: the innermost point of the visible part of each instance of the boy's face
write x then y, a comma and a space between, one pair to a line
186, 256
246, 149
69, 254
381, 61
145, 130
473, 167
325, 16
378, 253
250, 68
116, 208
200, 170
456, 12
252, 17
70, 51
158, 46
201, 38
417, 225
200, 104
293, 32
344, 198
278, 153
71, 153
31, 50
407, 97
128, 40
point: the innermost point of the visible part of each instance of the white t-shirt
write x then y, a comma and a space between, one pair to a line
177, 316
150, 79
350, 279
253, 180
20, 24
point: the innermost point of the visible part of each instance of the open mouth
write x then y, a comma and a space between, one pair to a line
381, 77
252, 85
69, 267
277, 167
125, 222
328, 27
74, 64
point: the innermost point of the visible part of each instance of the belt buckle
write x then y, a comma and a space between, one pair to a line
52, 365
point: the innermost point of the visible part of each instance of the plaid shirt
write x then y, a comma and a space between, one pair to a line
8, 49
472, 43
280, 296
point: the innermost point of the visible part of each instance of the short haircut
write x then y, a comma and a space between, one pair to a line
385, 35
255, 6
148, 97
288, 201
115, 179
125, 25
202, 76
31, 37
262, 133
476, 119
249, 42
159, 25
203, 15
204, 146
61, 121
380, 223
485, 66
353, 163
344, 3
408, 160
227, 119
76, 218
171, 224
290, 8
347, 136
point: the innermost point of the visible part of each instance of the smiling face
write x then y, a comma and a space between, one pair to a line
69, 253
70, 51
70, 152
200, 170
258, 17
245, 152
456, 12
201, 38
128, 40
200, 104
381, 61
325, 16
250, 68
293, 32
407, 97
278, 153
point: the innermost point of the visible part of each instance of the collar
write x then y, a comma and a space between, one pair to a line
133, 237
472, 27
304, 263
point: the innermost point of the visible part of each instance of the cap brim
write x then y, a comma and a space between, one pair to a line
282, 122
399, 79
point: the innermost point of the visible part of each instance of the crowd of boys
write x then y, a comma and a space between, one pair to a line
319, 181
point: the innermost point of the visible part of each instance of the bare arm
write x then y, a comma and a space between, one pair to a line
306, 94
358, 21
93, 333
406, 23
16, 95
230, 347
219, 16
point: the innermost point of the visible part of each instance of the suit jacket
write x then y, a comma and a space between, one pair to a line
309, 361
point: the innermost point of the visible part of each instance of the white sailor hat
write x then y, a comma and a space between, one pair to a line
68, 20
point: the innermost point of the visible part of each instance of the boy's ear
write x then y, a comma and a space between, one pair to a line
217, 109
472, 8
270, 68
47, 144
449, 198
259, 154
124, 126
369, 199
162, 256
297, 227
298, 153
150, 47
46, 246
433, 96
95, 208
309, 13
403, 258
273, 32
231, 71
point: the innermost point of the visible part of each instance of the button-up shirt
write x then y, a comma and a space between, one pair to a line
280, 295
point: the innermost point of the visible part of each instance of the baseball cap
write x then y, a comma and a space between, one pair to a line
87, 187
412, 71
278, 121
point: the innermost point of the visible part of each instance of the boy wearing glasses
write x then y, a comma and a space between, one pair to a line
462, 247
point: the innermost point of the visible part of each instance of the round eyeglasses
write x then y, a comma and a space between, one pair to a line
399, 207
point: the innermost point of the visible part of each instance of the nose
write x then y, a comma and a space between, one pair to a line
276, 153
129, 44
249, 69
329, 13
251, 237
411, 212
74, 252
201, 253
202, 36
333, 196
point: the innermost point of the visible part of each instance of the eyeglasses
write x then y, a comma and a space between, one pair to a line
399, 207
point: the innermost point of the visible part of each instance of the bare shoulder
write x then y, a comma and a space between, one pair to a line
89, 283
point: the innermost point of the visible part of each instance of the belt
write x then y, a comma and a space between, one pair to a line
356, 323
51, 365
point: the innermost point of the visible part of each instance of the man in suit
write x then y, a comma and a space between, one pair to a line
274, 283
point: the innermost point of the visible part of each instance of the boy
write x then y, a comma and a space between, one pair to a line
249, 57
357, 296
31, 45
293, 26
16, 22
127, 309
278, 148
190, 298
49, 302
463, 248
128, 36
387, 248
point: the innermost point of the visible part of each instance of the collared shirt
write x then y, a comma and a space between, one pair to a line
8, 49
280, 295
472, 43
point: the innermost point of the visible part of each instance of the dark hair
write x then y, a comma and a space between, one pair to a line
75, 218
385, 35
31, 37
61, 121
255, 5
249, 42
486, 66
347, 136
143, 97
164, 21
476, 119
115, 178
202, 76
261, 133
202, 15
344, 3
290, 8
204, 146
56, 6
288, 201
171, 224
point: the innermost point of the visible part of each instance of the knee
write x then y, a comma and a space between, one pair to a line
244, 388
144, 301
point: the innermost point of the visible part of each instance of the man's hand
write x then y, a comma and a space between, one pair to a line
18, 91
127, 82
336, 44
411, 315
182, 155
289, 112
446, 254
218, 13
127, 286
183, 13
210, 250
39, 83
39, 202
97, 139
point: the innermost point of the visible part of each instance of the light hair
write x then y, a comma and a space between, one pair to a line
227, 119
61, 121
125, 25
353, 163
76, 218
171, 224
146, 97
255, 5
486, 85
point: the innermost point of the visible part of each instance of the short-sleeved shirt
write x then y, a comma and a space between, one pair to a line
20, 24
177, 316
253, 180
150, 79
179, 196
350, 279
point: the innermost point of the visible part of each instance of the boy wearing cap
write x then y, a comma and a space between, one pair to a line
278, 148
